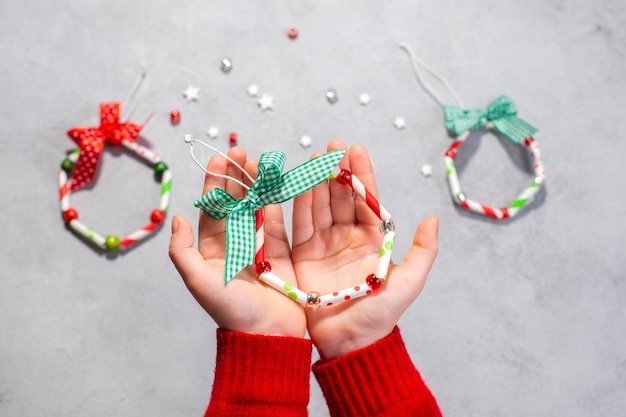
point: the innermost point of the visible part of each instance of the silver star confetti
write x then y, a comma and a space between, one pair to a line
305, 141
191, 93
399, 123
266, 102
364, 99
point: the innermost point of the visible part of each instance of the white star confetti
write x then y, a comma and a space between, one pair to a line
399, 123
364, 99
426, 170
253, 90
191, 93
305, 141
213, 132
266, 102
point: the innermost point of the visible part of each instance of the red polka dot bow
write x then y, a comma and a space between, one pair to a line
91, 141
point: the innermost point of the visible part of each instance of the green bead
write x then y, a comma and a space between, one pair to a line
160, 167
67, 165
112, 242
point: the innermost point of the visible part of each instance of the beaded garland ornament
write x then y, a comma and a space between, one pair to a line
501, 117
79, 169
244, 219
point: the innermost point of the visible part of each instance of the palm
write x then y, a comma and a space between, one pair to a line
246, 304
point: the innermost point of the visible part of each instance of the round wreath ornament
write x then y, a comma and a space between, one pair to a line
79, 168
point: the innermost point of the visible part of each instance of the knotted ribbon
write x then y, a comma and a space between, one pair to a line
268, 188
91, 141
501, 113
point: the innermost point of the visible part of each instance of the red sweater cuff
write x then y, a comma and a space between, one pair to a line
379, 380
260, 375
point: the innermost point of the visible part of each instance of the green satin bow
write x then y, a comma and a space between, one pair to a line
501, 113
268, 188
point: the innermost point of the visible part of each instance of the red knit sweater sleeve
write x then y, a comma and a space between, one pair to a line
379, 380
259, 376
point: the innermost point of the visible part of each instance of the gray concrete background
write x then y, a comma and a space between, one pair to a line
519, 318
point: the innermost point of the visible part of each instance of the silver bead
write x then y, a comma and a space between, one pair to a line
331, 96
227, 65
538, 180
461, 197
313, 299
387, 226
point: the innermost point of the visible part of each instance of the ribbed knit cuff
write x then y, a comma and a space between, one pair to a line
379, 380
260, 375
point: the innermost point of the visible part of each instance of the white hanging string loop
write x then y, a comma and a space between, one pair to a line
132, 100
189, 140
417, 62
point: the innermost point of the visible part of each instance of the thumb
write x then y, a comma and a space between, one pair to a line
185, 257
421, 256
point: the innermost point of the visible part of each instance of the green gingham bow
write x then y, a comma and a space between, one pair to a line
501, 113
268, 188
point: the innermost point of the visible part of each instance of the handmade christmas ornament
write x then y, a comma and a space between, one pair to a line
80, 167
245, 237
501, 117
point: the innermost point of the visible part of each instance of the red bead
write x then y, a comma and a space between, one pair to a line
292, 33
347, 297
344, 177
262, 266
157, 216
175, 117
232, 139
70, 214
373, 282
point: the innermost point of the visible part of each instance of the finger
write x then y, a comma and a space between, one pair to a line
207, 226
302, 219
187, 260
237, 154
341, 195
276, 240
252, 168
361, 166
321, 213
413, 271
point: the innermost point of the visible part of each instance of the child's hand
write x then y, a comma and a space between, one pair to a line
336, 244
245, 304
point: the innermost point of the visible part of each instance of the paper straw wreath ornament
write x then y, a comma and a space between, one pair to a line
244, 220
500, 117
79, 169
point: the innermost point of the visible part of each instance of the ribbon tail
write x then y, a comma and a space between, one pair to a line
514, 128
240, 242
303, 178
87, 164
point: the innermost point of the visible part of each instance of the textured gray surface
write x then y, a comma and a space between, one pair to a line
525, 317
